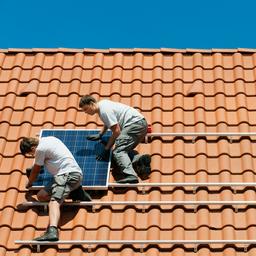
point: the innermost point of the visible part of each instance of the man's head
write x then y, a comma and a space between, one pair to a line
28, 146
88, 104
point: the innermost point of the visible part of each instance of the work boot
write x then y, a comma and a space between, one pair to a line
51, 234
80, 195
129, 179
143, 166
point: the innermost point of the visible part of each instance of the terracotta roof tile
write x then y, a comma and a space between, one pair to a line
178, 90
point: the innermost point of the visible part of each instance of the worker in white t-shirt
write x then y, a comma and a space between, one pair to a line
128, 127
51, 153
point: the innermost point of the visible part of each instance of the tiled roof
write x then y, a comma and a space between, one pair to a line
178, 91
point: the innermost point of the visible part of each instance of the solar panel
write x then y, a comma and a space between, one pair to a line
95, 172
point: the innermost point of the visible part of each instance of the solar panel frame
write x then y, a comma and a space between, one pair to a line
90, 131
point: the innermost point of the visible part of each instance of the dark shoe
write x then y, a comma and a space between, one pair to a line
129, 179
143, 166
51, 234
80, 195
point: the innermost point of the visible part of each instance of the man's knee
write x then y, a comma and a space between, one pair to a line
118, 154
115, 153
43, 196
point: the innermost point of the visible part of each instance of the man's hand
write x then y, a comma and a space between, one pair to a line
32, 174
28, 171
94, 137
28, 185
101, 152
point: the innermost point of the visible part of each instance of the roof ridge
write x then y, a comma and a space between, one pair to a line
128, 50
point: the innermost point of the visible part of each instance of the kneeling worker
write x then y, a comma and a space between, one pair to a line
67, 177
128, 127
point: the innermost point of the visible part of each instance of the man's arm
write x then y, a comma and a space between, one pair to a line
33, 175
95, 137
115, 133
104, 129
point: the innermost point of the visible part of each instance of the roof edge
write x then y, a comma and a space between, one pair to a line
127, 50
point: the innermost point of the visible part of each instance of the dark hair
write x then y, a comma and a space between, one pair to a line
86, 100
26, 145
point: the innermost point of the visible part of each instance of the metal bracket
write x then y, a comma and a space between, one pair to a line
194, 190
195, 248
38, 247
245, 248
45, 208
143, 209
142, 248
89, 248
93, 208
143, 190
194, 139
230, 139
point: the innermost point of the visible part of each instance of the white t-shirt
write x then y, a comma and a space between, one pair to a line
112, 113
55, 156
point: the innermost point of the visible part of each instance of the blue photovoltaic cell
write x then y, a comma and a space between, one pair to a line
95, 173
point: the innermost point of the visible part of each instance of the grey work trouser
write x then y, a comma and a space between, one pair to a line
129, 138
61, 185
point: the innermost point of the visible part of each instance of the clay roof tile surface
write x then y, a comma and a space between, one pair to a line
177, 90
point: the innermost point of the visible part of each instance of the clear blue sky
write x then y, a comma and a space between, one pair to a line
127, 24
